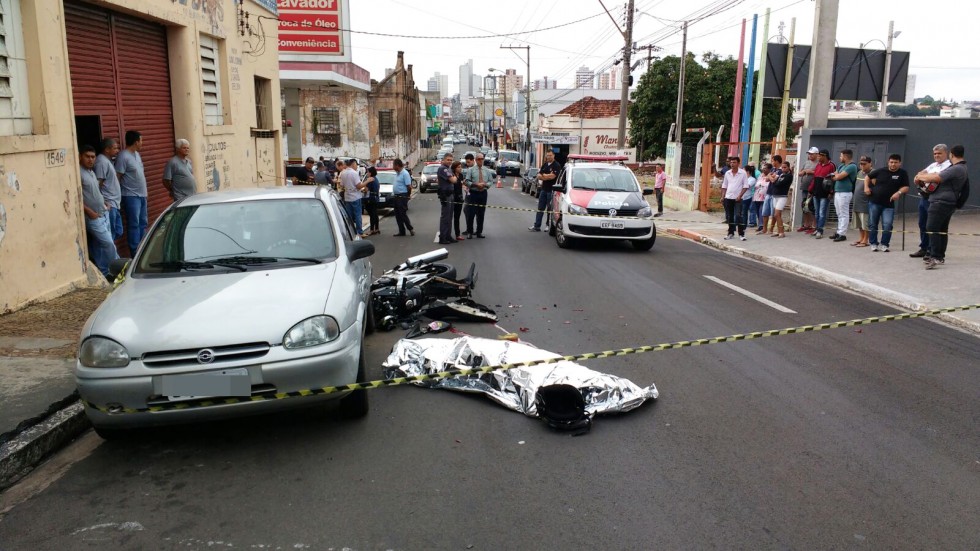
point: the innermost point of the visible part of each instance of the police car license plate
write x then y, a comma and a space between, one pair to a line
612, 225
381, 199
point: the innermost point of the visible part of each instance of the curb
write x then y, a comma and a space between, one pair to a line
31, 445
825, 276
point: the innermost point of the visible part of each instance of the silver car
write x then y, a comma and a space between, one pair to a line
233, 296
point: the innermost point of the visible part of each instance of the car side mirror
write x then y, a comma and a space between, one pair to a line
648, 191
559, 189
357, 250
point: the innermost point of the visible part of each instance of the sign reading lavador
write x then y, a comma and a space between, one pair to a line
313, 30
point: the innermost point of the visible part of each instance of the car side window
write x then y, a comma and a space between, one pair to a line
560, 182
348, 225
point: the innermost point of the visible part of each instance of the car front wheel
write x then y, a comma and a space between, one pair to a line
563, 240
645, 244
355, 404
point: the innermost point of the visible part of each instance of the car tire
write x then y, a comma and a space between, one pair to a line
355, 404
369, 320
558, 230
645, 244
446, 271
107, 433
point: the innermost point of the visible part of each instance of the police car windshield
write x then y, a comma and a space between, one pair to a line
603, 179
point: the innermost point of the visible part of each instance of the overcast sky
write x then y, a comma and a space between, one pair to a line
942, 44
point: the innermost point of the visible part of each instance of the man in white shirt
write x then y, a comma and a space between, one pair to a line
940, 156
353, 192
734, 185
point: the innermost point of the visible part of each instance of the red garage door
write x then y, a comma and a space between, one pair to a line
120, 73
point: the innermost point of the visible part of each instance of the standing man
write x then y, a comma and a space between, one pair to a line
844, 180
806, 178
821, 188
305, 176
402, 191
178, 175
446, 181
101, 249
109, 184
940, 156
353, 192
322, 176
734, 185
479, 178
884, 186
659, 183
132, 183
948, 191
547, 174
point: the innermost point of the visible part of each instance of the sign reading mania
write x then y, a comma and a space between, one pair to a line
311, 27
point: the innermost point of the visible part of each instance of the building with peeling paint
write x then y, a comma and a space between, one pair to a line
79, 71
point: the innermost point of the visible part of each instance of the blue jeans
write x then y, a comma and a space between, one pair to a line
820, 204
544, 204
767, 206
923, 216
115, 223
887, 216
755, 213
354, 211
101, 249
135, 210
746, 212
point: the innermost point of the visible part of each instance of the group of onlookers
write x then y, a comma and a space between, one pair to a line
752, 197
114, 191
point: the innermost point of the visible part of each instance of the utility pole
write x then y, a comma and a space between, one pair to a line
883, 108
821, 63
680, 85
624, 98
527, 101
788, 75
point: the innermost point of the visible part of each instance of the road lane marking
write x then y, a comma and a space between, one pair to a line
751, 295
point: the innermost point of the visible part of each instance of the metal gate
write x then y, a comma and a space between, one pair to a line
120, 73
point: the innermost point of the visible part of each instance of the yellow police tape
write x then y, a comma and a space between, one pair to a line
397, 381
661, 219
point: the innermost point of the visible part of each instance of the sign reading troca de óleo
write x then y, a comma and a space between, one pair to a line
313, 30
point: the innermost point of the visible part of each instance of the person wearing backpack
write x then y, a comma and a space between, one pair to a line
844, 180
947, 191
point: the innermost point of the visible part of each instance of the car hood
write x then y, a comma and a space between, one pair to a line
619, 200
174, 313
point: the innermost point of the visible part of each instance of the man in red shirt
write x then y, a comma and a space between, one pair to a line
820, 193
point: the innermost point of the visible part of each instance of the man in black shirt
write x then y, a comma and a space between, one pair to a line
306, 174
884, 186
948, 191
446, 181
547, 174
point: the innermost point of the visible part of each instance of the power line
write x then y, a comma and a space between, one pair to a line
500, 35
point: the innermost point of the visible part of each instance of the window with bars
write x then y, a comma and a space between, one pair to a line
326, 125
15, 109
386, 123
263, 103
214, 113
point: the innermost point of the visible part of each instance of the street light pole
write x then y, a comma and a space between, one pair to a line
624, 97
883, 108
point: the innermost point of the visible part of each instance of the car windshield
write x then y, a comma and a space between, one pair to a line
603, 179
386, 177
430, 169
232, 235
510, 156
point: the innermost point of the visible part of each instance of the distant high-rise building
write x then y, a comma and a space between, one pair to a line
477, 85
439, 83
510, 82
584, 78
604, 81
910, 89
544, 84
466, 80
614, 78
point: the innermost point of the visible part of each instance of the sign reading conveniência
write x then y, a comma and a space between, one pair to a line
311, 28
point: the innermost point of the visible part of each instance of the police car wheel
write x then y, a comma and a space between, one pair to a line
563, 240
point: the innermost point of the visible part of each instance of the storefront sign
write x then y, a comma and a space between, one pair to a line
314, 30
554, 139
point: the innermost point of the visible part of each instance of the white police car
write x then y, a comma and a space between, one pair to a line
598, 197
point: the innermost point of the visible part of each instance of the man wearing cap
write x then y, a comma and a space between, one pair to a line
806, 178
306, 176
821, 192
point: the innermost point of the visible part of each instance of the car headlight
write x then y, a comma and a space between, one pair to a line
575, 209
102, 352
311, 332
645, 212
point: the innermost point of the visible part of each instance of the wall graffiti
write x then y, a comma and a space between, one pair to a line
217, 171
3, 222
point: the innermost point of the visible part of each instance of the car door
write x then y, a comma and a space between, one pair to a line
558, 196
360, 269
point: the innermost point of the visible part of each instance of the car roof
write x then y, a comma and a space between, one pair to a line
253, 194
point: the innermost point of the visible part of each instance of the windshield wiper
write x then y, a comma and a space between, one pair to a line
188, 265
238, 261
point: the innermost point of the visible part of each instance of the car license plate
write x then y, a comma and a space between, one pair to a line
381, 199
224, 382
611, 224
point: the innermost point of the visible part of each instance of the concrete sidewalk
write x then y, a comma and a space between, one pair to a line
891, 277
38, 413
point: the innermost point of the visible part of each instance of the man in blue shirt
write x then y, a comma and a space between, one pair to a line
401, 191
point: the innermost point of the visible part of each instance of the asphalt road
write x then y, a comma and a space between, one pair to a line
843, 438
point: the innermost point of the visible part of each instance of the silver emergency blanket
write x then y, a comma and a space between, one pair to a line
515, 388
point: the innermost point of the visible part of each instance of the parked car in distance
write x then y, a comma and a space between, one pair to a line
234, 295
511, 161
428, 177
490, 159
386, 188
599, 197
530, 183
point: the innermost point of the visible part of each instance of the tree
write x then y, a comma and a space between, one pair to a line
709, 92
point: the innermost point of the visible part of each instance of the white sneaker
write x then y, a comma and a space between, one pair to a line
729, 236
874, 248
883, 249
742, 237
